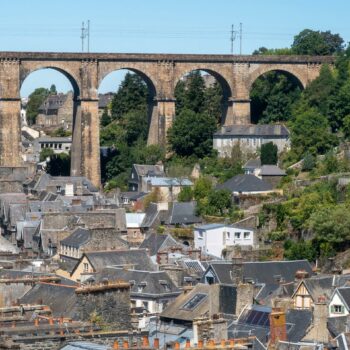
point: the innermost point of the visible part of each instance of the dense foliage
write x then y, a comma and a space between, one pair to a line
124, 130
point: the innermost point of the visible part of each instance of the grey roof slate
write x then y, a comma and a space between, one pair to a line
152, 214
149, 170
267, 130
155, 283
82, 345
297, 321
271, 170
262, 272
183, 213
156, 242
252, 164
345, 294
61, 298
53, 102
324, 285
78, 238
245, 183
137, 258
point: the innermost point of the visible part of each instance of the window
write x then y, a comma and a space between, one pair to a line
228, 235
200, 235
246, 235
58, 189
237, 235
86, 267
337, 309
194, 301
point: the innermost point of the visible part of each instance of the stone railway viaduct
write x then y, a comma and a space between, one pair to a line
161, 72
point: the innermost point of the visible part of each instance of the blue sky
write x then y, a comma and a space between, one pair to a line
161, 26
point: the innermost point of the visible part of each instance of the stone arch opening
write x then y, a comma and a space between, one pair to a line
272, 93
48, 107
110, 83
213, 80
133, 114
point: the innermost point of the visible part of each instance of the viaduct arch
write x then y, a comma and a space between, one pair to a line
161, 72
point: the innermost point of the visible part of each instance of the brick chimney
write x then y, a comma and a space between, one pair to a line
278, 329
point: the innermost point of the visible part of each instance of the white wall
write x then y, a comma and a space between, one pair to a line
248, 144
337, 301
213, 241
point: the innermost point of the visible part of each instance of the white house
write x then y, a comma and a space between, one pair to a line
213, 238
340, 302
250, 137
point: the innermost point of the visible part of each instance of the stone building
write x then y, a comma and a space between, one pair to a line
250, 138
56, 111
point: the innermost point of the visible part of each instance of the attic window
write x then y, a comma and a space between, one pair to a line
194, 301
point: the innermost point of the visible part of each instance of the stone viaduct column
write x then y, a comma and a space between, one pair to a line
241, 99
164, 104
10, 113
86, 128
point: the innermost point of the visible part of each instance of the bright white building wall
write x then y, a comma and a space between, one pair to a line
213, 241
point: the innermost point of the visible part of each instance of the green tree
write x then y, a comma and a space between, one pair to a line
202, 187
331, 224
311, 133
194, 99
309, 162
346, 126
53, 90
35, 100
213, 98
272, 97
45, 154
105, 118
220, 201
268, 153
131, 95
311, 42
186, 194
191, 134
300, 250
136, 125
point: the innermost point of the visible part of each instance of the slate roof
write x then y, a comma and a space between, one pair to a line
337, 325
149, 170
78, 238
345, 295
105, 99
7, 246
152, 214
176, 309
262, 272
48, 139
46, 180
156, 242
155, 284
262, 130
252, 164
324, 285
167, 181
53, 102
82, 345
297, 321
267, 271
183, 213
271, 170
61, 298
137, 258
245, 183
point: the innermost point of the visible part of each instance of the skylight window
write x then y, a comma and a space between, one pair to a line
194, 301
